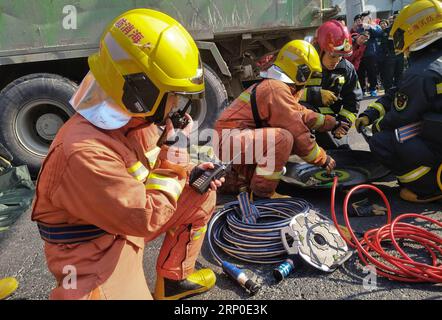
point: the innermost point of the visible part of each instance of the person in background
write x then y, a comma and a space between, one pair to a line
368, 66
270, 111
337, 92
401, 140
391, 66
359, 41
341, 20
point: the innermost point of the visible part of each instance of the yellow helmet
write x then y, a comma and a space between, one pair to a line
298, 59
418, 25
145, 55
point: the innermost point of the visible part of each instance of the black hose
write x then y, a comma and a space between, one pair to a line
254, 243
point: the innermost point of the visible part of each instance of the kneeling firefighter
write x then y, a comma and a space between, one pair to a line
338, 92
268, 124
407, 121
105, 188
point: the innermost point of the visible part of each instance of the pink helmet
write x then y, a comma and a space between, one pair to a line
333, 37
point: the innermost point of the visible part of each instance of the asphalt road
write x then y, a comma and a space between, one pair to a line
22, 256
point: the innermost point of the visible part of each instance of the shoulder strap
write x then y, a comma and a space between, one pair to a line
254, 106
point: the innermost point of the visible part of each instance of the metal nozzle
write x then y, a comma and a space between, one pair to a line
240, 277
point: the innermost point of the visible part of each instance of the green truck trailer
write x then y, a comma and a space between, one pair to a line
44, 45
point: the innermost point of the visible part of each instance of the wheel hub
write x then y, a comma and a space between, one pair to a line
48, 125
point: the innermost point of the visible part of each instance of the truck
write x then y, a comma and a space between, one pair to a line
44, 45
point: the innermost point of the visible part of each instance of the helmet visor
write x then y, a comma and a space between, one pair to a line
340, 54
97, 107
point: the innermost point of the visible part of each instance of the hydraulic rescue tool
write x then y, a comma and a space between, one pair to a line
316, 240
284, 270
354, 167
264, 239
381, 248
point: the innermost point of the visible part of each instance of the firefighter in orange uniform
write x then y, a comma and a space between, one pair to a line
270, 111
105, 188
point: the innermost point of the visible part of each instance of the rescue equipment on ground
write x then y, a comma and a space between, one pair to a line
239, 276
284, 270
398, 265
253, 233
365, 208
353, 168
258, 242
316, 240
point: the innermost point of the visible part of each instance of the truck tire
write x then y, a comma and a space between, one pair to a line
32, 110
215, 101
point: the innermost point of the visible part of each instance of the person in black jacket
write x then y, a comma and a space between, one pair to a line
400, 140
368, 66
391, 66
337, 92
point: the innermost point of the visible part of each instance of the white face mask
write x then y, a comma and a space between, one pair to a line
105, 117
274, 72
97, 107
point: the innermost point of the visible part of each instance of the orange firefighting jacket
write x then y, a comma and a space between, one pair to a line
116, 180
278, 107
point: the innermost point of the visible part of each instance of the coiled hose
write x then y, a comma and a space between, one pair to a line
398, 265
255, 243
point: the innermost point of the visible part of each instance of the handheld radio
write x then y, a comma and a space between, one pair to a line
179, 121
200, 179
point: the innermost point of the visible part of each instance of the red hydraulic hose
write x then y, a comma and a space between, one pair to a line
398, 266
